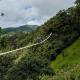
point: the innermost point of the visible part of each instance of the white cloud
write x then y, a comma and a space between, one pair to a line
19, 12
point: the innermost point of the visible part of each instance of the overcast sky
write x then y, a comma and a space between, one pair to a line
33, 12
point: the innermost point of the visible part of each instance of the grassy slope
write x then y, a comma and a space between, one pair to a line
67, 66
71, 57
69, 74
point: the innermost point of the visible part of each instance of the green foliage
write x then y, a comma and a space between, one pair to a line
29, 68
69, 56
77, 2
34, 63
72, 73
0, 30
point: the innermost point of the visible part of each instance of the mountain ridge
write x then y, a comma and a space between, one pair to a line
23, 28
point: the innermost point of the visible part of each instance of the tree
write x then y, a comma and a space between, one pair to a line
77, 2
0, 30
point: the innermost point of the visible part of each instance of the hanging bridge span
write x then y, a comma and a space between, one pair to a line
27, 46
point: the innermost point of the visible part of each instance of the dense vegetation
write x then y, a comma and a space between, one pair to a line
56, 59
0, 30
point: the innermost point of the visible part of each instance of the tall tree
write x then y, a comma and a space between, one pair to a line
77, 2
0, 30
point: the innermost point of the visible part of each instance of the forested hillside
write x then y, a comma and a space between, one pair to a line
0, 30
55, 59
24, 28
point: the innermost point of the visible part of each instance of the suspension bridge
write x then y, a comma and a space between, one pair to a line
27, 46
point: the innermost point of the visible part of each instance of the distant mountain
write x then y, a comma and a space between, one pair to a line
24, 28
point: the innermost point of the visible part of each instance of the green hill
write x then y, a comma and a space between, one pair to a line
67, 64
24, 28
69, 57
58, 55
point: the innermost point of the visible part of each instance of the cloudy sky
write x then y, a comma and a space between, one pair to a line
19, 12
